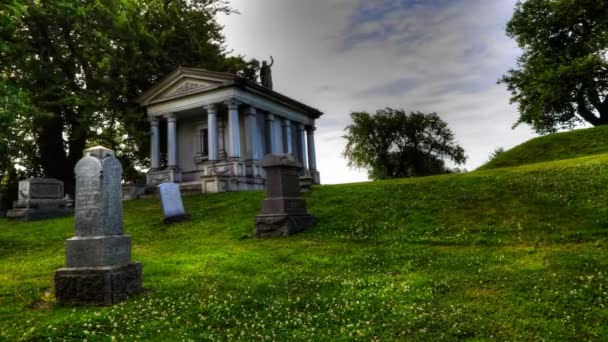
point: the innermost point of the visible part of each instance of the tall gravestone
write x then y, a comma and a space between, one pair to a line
99, 269
283, 211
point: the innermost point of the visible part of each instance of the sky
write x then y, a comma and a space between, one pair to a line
341, 56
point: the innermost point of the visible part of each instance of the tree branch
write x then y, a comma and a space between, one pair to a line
585, 113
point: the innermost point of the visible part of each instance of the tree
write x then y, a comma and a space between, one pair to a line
392, 143
562, 75
495, 154
77, 66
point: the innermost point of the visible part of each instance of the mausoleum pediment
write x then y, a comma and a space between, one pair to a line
183, 82
185, 87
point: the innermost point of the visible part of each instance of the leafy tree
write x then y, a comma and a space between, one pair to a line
562, 75
495, 154
392, 143
75, 68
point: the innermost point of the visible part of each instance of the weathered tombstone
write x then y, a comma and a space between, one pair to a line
283, 211
171, 202
40, 199
99, 269
133, 191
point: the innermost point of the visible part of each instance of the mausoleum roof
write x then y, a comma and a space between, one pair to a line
186, 82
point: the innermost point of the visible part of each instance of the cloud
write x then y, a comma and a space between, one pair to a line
342, 56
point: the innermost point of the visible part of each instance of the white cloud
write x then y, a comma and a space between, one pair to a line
421, 57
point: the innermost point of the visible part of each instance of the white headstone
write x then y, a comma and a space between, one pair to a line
171, 201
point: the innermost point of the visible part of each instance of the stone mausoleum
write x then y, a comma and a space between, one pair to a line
219, 126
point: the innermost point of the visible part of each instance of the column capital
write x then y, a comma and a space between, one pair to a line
232, 104
269, 117
210, 108
170, 117
286, 122
251, 111
153, 120
300, 126
310, 129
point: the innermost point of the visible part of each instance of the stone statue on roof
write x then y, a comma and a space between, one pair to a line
266, 73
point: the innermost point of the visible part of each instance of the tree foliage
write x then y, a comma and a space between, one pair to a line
70, 70
562, 75
392, 143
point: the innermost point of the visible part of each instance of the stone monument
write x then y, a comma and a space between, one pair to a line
171, 201
99, 269
283, 211
40, 199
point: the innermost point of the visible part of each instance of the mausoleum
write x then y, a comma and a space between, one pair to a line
219, 126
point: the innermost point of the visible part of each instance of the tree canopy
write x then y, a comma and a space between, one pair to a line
70, 71
561, 78
392, 143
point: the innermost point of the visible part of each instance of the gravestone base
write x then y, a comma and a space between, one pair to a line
176, 219
97, 251
273, 225
100, 286
35, 214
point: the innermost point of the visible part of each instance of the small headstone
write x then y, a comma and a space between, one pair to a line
283, 211
39, 199
171, 202
99, 269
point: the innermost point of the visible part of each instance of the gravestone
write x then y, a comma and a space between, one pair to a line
99, 269
171, 202
283, 211
40, 199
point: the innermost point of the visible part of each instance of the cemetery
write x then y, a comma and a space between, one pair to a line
157, 185
390, 259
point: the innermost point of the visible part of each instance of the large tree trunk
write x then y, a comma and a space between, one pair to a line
50, 144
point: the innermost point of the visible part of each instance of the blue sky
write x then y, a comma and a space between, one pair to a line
341, 56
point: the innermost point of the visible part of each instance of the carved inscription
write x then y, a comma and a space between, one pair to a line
88, 209
112, 196
41, 190
116, 250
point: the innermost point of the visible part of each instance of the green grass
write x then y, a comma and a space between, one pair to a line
559, 146
508, 254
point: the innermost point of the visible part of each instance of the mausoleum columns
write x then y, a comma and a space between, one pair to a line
302, 145
171, 141
154, 144
278, 133
212, 132
287, 136
233, 129
252, 135
312, 159
270, 137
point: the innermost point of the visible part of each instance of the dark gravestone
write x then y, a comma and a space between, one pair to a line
171, 202
283, 211
99, 269
39, 199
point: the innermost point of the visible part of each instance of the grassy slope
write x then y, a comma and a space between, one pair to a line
559, 146
510, 254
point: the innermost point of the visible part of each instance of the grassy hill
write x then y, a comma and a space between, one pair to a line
509, 254
559, 146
